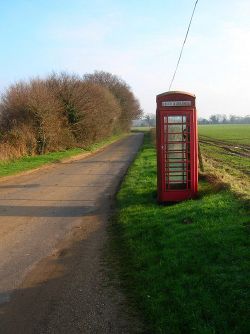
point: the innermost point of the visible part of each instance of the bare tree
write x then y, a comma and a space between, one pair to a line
130, 107
63, 111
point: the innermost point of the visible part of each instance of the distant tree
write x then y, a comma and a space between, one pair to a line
218, 118
150, 120
223, 119
203, 121
247, 119
232, 118
214, 119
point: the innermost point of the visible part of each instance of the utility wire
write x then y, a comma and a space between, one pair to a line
178, 62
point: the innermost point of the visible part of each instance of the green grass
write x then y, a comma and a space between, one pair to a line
185, 278
31, 162
233, 133
140, 129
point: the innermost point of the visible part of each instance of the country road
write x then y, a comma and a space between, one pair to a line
53, 227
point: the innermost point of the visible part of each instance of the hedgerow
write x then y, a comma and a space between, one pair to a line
63, 111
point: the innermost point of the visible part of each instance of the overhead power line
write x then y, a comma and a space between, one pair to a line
183, 44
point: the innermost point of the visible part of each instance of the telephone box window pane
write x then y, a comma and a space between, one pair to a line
177, 186
176, 155
175, 119
177, 177
175, 137
176, 147
176, 167
173, 128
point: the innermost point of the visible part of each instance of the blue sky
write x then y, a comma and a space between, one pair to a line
137, 40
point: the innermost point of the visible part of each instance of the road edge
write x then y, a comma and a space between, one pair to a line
49, 165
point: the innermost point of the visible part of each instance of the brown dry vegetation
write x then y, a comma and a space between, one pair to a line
130, 107
63, 111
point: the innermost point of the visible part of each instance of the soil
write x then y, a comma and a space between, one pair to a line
232, 149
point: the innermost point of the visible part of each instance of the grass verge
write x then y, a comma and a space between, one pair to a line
186, 266
31, 162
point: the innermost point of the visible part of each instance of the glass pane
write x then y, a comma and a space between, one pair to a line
176, 119
177, 176
176, 147
177, 186
174, 128
176, 155
175, 137
177, 168
176, 140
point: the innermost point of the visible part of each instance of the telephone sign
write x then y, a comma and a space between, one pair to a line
176, 103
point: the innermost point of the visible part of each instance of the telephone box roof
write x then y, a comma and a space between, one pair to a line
176, 92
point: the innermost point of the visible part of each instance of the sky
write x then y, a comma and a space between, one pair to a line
137, 40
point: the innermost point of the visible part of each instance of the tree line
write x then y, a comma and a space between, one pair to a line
224, 119
64, 111
149, 120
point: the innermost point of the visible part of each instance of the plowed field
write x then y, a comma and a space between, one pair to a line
226, 148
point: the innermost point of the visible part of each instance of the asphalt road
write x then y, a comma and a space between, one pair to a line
53, 227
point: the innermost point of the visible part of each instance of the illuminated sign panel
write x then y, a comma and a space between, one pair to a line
176, 103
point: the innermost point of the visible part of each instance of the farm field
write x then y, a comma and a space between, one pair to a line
226, 151
185, 277
232, 133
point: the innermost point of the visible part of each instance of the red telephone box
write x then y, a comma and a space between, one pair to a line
177, 146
